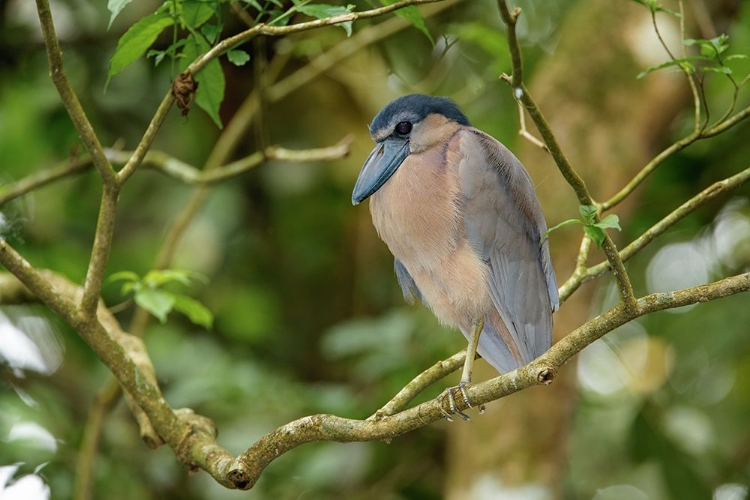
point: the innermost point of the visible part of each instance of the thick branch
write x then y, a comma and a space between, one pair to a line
125, 356
249, 465
193, 438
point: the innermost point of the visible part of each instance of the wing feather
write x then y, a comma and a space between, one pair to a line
408, 286
504, 223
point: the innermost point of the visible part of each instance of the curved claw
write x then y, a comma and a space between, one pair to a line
446, 415
462, 387
454, 408
452, 403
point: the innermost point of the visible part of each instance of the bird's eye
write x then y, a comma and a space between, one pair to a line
403, 128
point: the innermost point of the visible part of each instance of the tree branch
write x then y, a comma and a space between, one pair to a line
576, 182
264, 29
708, 194
421, 382
68, 96
39, 179
193, 437
105, 228
189, 174
249, 465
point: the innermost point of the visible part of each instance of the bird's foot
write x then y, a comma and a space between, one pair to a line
452, 403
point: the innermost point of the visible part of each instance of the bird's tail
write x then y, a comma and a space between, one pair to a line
497, 346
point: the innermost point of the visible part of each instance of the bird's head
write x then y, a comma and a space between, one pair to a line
406, 125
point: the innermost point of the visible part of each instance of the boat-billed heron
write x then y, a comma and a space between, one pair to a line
459, 213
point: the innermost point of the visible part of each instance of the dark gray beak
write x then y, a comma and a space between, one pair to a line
379, 167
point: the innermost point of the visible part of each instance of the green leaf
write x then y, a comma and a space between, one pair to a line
133, 44
683, 63
238, 57
131, 286
254, 4
115, 7
414, 16
158, 277
210, 79
212, 32
157, 302
158, 55
596, 234
718, 69
324, 11
655, 7
194, 310
611, 221
123, 276
588, 212
558, 226
196, 12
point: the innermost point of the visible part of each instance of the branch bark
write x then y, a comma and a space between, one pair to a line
192, 437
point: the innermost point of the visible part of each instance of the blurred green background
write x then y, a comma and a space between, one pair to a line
308, 315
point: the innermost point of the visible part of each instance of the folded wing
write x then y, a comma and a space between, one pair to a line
504, 223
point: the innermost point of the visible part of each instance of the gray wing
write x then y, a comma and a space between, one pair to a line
408, 287
504, 222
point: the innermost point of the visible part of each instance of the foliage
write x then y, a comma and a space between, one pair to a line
197, 26
150, 294
593, 228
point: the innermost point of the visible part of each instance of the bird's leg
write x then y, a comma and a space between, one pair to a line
471, 352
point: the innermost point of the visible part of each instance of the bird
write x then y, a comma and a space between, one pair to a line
459, 213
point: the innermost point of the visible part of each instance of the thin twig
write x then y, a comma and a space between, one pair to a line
69, 97
671, 150
708, 194
103, 236
524, 132
649, 168
264, 29
188, 174
579, 273
37, 180
421, 382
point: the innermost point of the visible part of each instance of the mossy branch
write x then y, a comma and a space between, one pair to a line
192, 437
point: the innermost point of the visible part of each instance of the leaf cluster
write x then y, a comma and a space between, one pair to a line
709, 60
197, 26
594, 229
711, 50
149, 293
